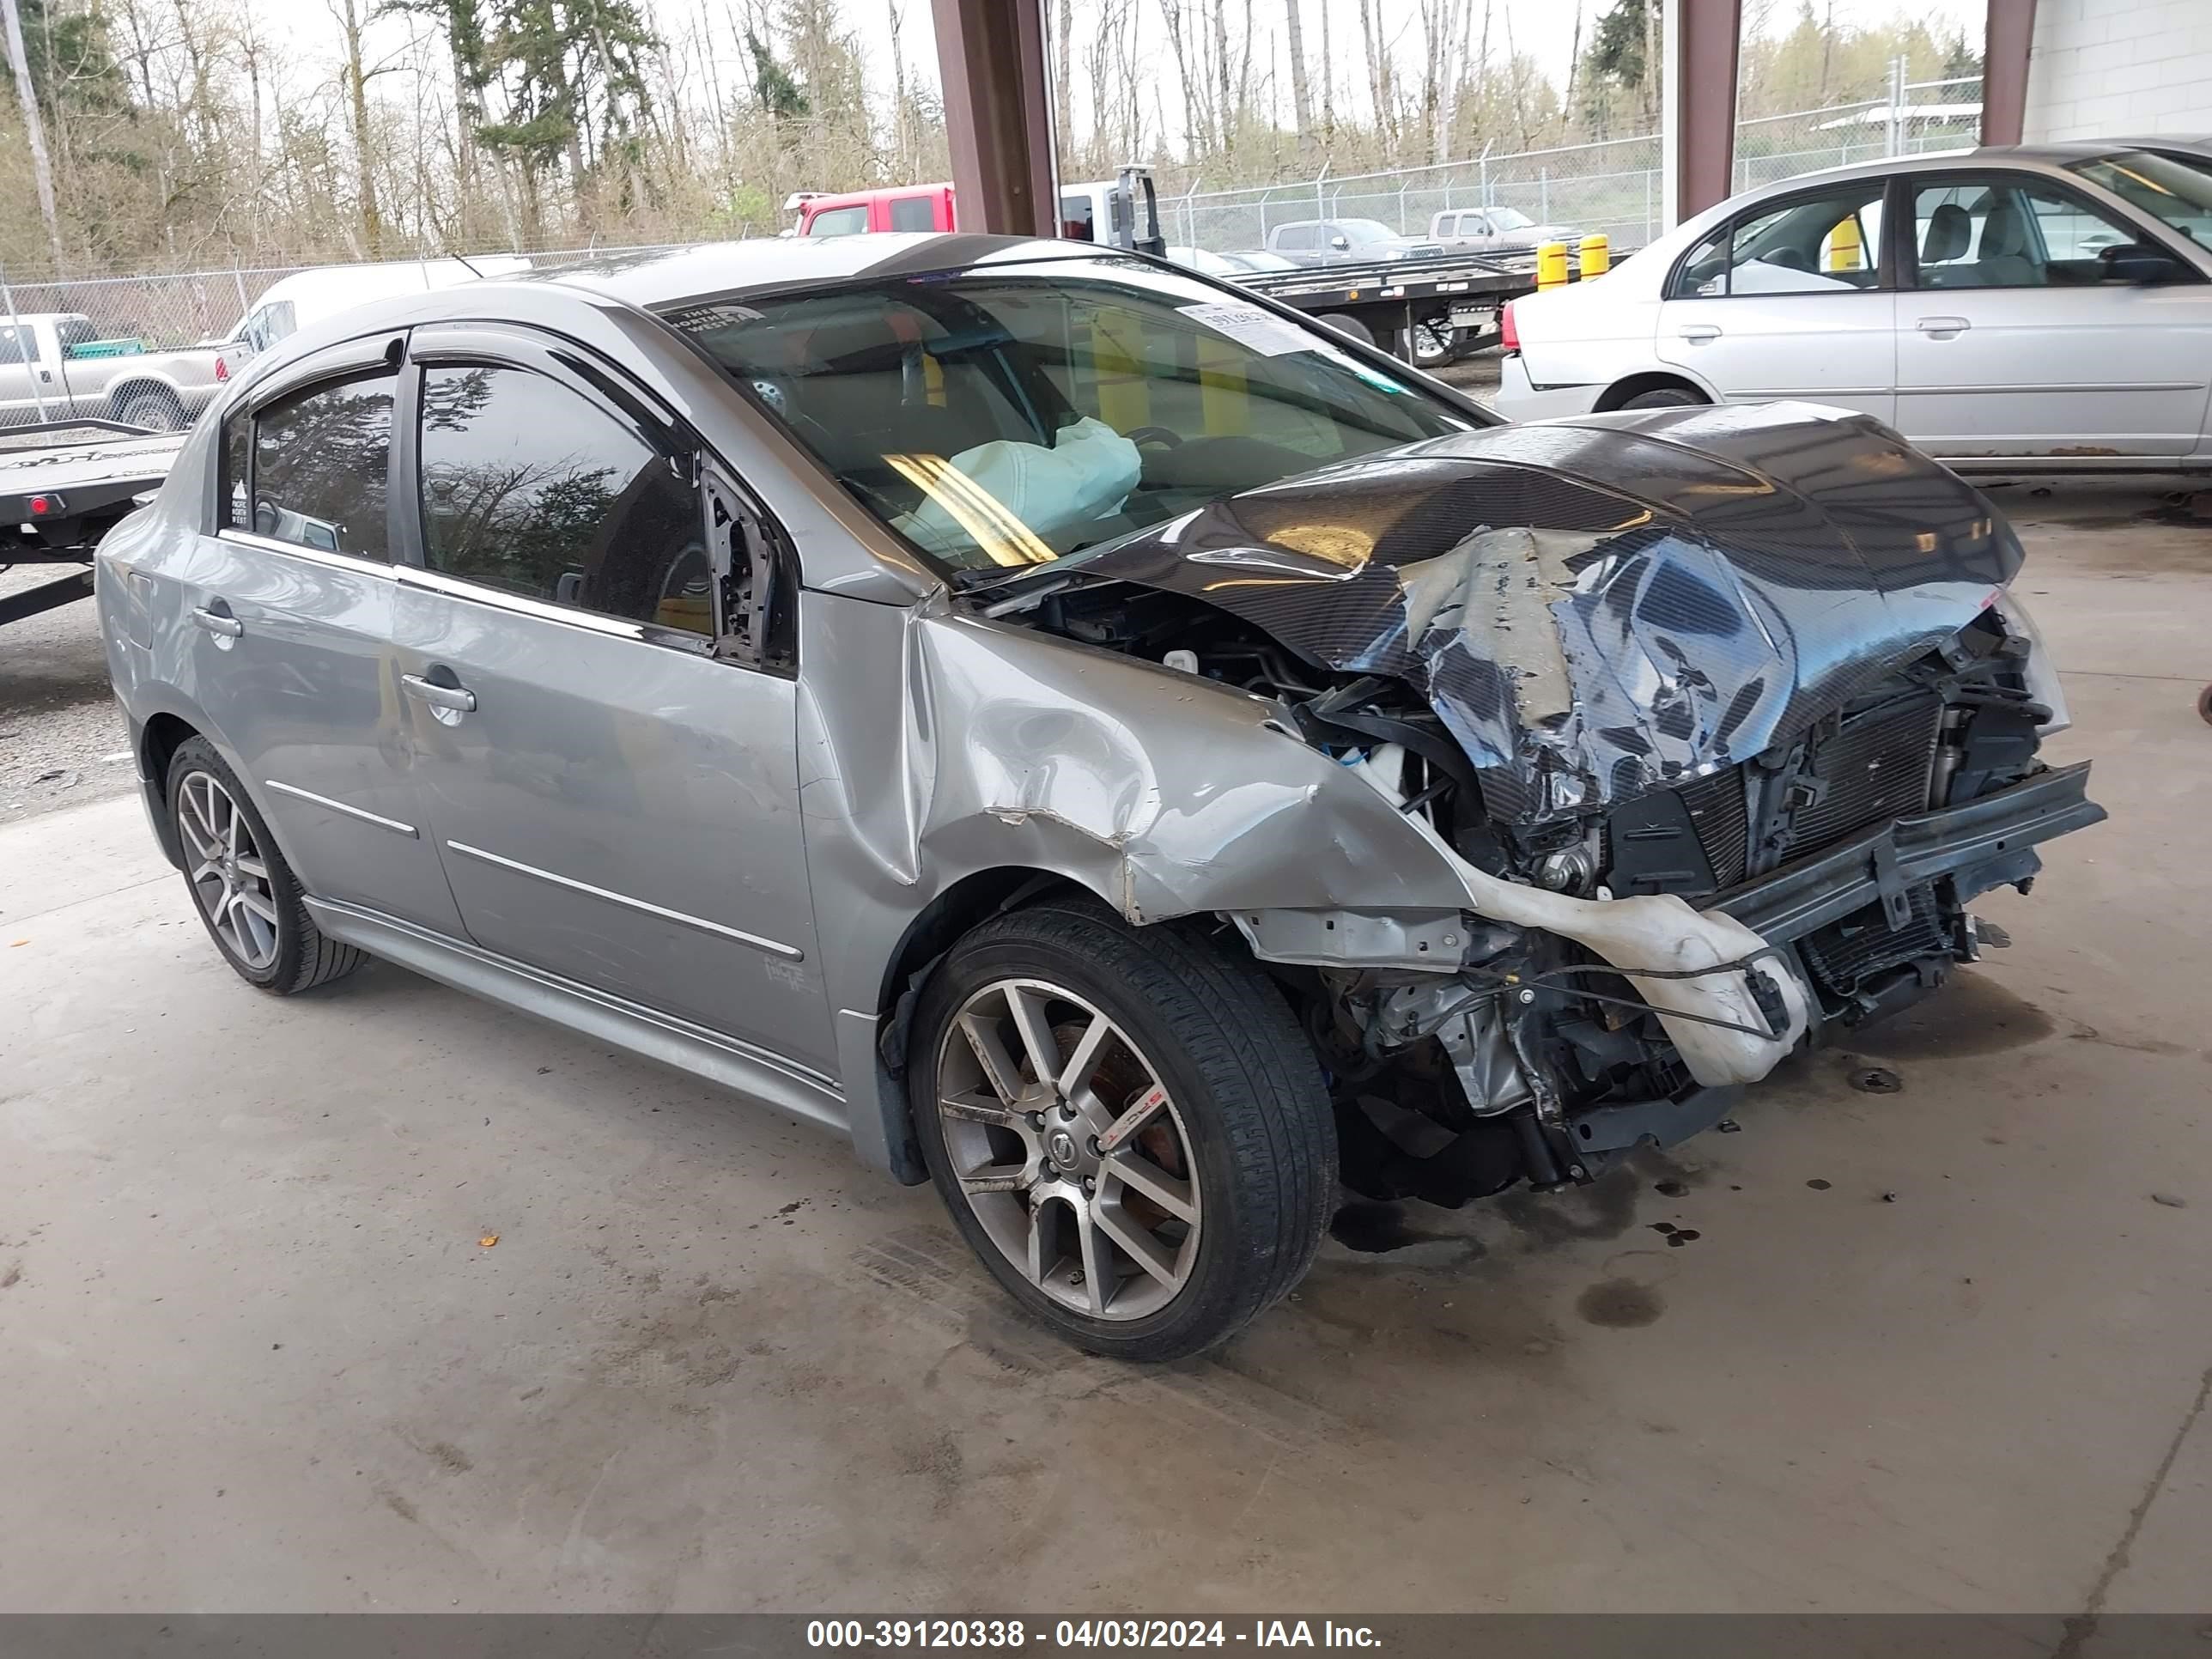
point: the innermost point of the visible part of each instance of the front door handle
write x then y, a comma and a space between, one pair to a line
1699, 333
217, 623
1943, 328
448, 702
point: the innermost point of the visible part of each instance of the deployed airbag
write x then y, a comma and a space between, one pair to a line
1016, 495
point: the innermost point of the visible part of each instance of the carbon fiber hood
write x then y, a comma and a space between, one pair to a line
1597, 607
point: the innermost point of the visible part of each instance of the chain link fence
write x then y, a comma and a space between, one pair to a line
200, 307
1614, 187
145, 349
90, 346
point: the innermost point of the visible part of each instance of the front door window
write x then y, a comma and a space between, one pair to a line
529, 488
1978, 234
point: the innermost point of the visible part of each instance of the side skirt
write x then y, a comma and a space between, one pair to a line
713, 1056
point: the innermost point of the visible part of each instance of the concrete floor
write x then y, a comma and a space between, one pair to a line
1936, 1350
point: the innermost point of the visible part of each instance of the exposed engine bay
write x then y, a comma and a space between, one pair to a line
1706, 768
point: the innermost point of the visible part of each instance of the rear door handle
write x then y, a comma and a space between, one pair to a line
1943, 328
455, 700
217, 623
1699, 333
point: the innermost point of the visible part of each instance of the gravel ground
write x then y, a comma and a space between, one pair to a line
61, 738
1477, 376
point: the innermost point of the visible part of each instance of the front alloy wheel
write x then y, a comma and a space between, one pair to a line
1128, 1126
1068, 1149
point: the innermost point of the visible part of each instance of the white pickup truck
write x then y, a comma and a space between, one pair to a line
54, 365
1494, 230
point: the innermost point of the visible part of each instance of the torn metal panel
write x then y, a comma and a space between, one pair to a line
952, 745
956, 745
1434, 942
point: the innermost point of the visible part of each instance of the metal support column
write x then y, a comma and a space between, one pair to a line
2004, 70
1698, 71
997, 115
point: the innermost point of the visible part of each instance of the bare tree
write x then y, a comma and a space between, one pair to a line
34, 129
355, 75
1301, 94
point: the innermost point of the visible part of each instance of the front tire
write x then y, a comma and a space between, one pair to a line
246, 895
1128, 1126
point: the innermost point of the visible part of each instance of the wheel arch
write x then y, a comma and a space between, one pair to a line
872, 1047
1658, 379
124, 391
160, 737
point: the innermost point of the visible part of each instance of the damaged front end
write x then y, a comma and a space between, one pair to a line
1721, 719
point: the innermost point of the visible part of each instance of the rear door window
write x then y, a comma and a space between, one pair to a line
530, 488
320, 461
1825, 244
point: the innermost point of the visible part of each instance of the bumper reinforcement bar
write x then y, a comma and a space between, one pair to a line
1794, 900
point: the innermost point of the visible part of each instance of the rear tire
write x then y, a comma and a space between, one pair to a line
1429, 346
1663, 397
156, 411
247, 896
1172, 1235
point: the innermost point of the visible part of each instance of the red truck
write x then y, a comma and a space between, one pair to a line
1119, 213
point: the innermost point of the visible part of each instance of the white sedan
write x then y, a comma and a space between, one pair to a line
2036, 308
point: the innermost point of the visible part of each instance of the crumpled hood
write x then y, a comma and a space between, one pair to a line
1597, 607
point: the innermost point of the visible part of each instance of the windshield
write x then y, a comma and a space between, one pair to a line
1509, 219
1016, 414
2165, 186
1364, 230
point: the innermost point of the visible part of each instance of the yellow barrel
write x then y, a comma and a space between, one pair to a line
1596, 255
1552, 265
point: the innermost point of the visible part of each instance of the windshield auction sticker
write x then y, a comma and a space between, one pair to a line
1265, 332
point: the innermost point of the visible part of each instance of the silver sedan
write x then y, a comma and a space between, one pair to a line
1111, 750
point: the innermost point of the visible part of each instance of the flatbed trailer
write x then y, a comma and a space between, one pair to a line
64, 484
1428, 311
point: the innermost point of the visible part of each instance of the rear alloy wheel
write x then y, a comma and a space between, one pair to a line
1128, 1125
244, 891
229, 878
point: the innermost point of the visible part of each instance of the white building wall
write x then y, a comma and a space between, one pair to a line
2102, 69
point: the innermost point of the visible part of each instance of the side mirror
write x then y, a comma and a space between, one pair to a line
1339, 241
2139, 263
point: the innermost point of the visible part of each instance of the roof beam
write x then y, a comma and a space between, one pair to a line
2004, 70
997, 115
1697, 99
